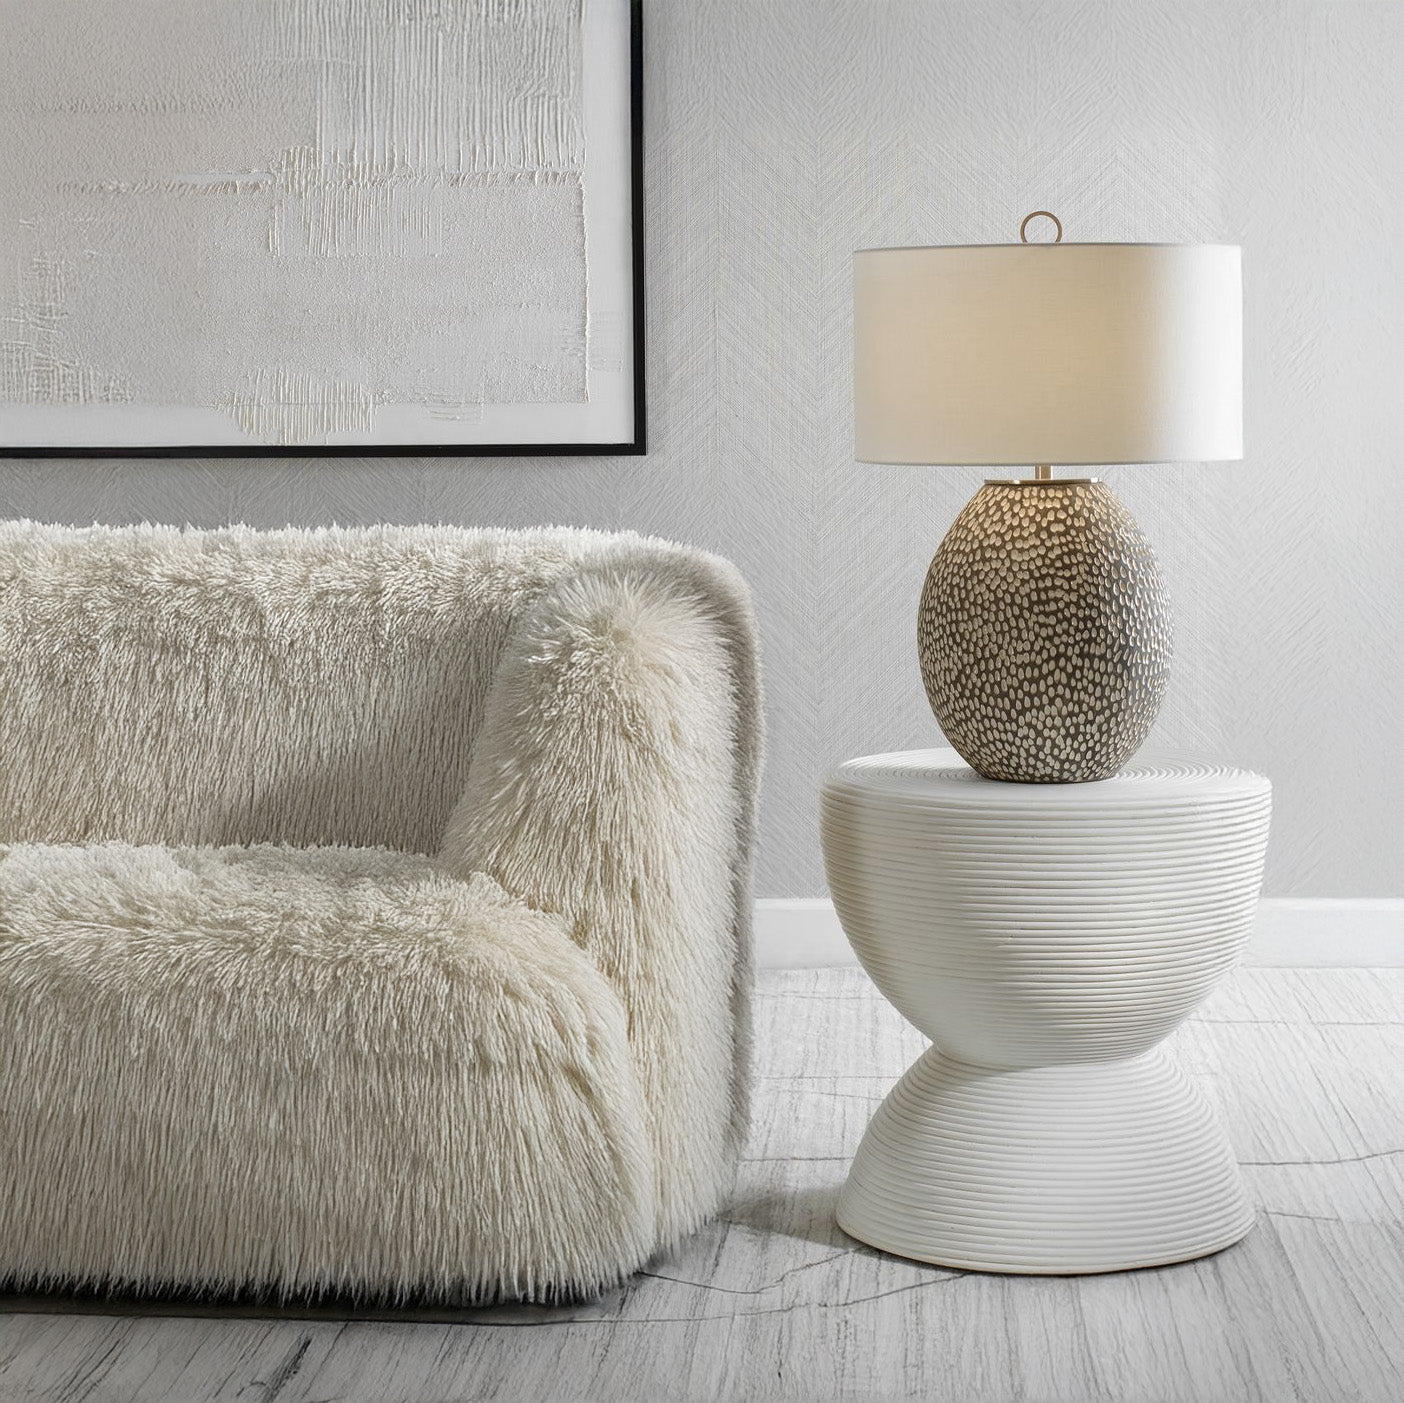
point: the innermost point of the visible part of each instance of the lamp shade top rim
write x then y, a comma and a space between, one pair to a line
1064, 244
1047, 461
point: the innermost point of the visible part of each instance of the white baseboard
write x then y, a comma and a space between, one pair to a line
804, 932
800, 932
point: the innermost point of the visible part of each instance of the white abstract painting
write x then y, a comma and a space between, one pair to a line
316, 224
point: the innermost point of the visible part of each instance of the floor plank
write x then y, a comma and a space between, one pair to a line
774, 1303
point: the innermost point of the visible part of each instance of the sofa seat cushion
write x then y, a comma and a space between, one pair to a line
306, 1071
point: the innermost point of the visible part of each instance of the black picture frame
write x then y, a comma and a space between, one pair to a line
637, 445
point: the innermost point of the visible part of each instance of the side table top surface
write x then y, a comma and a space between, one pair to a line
941, 778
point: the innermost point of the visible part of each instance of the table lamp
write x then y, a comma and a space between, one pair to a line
1043, 629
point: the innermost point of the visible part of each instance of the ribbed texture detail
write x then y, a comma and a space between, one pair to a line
1046, 937
1018, 925
1065, 1169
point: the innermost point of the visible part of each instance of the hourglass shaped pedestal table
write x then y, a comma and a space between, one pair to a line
1047, 938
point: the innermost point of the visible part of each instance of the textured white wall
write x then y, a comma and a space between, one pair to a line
781, 136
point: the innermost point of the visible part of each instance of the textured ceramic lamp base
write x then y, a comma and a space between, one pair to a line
1044, 632
1047, 938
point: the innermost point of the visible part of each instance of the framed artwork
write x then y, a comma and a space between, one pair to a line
320, 226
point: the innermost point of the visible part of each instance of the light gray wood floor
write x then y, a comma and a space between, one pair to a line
775, 1303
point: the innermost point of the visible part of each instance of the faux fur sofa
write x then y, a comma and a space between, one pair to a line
373, 907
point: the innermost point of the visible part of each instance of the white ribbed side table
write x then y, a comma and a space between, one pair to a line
1046, 937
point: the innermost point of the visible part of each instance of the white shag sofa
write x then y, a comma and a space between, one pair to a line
374, 908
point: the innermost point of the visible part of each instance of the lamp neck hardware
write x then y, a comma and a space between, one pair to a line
1042, 472
1040, 481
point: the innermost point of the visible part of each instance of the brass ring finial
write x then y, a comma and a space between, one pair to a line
1041, 214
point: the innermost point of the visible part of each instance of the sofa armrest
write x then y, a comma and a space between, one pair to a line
614, 782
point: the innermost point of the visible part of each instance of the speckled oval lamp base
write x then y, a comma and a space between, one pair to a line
1044, 632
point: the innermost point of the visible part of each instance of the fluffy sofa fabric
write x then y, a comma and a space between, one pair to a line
318, 1067
642, 896
504, 1052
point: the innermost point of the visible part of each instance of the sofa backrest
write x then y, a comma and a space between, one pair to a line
235, 686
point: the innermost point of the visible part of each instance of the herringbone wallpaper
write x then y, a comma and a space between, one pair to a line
783, 135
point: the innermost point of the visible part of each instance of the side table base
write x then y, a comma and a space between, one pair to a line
1061, 1170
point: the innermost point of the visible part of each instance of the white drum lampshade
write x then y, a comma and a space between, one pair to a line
1048, 353
1043, 630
